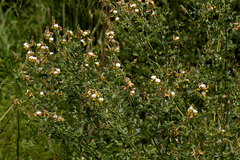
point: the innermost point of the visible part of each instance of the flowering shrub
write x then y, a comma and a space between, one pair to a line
164, 93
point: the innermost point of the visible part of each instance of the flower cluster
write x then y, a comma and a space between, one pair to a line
55, 71
44, 48
94, 95
58, 118
56, 26
111, 41
116, 66
110, 36
191, 111
26, 46
85, 33
69, 33
31, 58
211, 8
203, 89
48, 36
154, 78
129, 86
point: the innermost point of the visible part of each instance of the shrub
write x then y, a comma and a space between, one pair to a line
163, 88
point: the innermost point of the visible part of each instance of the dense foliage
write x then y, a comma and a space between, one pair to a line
157, 81
161, 88
19, 21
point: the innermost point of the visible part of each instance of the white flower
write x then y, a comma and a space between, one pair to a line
55, 26
85, 33
94, 96
219, 142
153, 77
51, 39
116, 19
100, 100
55, 73
117, 49
118, 65
41, 94
51, 53
133, 92
173, 94
40, 69
130, 84
64, 40
29, 52
204, 94
34, 59
183, 72
177, 38
222, 130
30, 58
187, 80
177, 140
70, 32
112, 33
38, 45
195, 112
39, 113
112, 40
137, 10
90, 53
133, 5
44, 47
210, 8
26, 46
190, 109
115, 12
58, 70
157, 81
27, 92
86, 65
55, 117
97, 63
203, 86
152, 13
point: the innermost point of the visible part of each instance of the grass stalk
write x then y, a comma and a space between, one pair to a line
63, 16
18, 137
39, 23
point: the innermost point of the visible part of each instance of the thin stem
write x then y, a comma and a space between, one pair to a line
18, 117
39, 23
63, 17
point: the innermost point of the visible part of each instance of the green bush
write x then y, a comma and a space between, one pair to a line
163, 88
19, 21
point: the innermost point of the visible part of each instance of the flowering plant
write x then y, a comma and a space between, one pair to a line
147, 97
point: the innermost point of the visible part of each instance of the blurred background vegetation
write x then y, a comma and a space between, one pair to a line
19, 21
